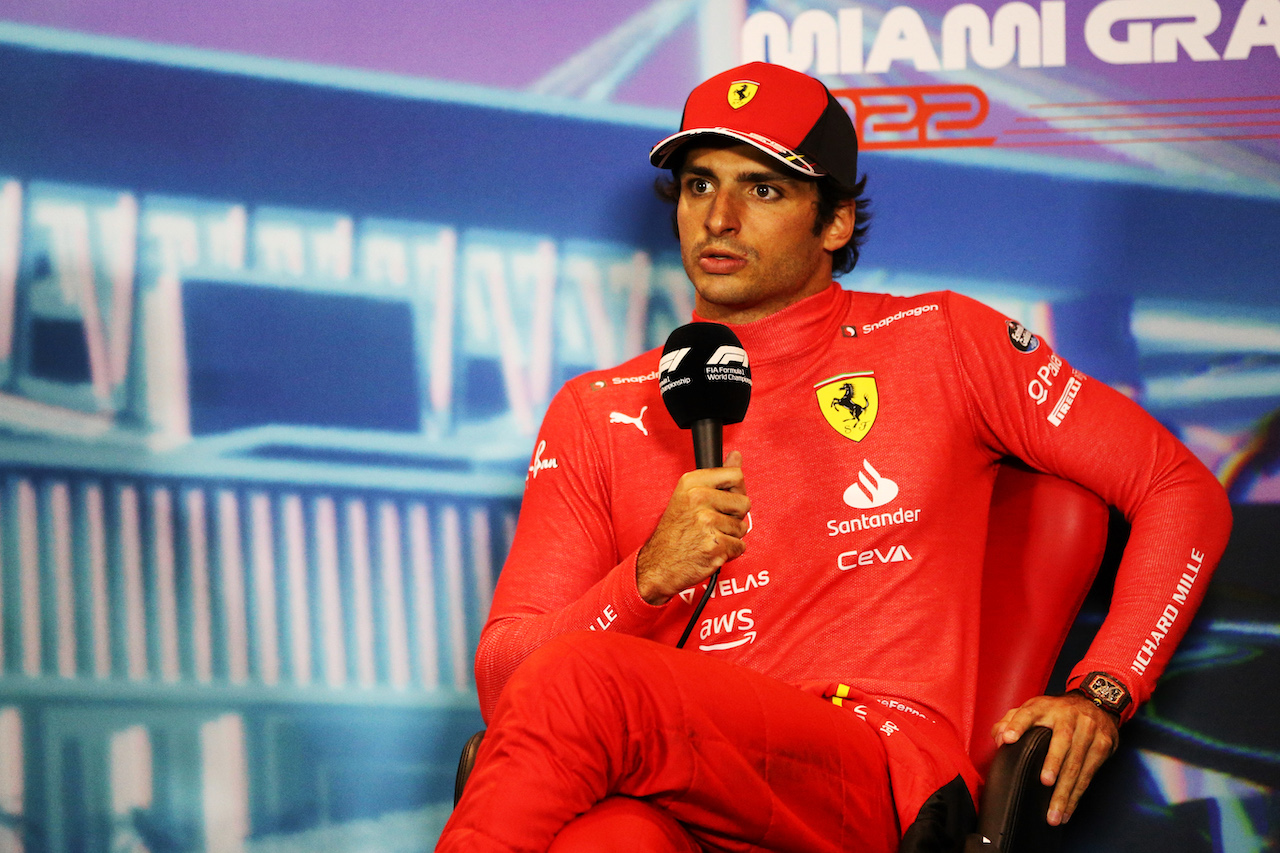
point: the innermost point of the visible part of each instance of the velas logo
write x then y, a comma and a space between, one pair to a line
870, 490
849, 402
741, 92
727, 586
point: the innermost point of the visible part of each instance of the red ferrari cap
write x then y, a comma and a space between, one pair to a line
787, 115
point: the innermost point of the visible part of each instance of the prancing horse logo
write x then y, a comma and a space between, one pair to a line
845, 400
741, 92
849, 402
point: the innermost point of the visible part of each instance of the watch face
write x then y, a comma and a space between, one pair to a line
1106, 690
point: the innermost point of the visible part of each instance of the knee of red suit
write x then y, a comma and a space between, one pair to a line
624, 825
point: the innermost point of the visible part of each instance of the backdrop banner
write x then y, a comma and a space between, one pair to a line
287, 285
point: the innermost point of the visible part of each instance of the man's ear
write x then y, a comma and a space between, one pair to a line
839, 231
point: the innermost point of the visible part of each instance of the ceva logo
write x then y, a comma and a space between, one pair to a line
852, 559
871, 489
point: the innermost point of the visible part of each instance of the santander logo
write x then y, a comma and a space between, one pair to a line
871, 489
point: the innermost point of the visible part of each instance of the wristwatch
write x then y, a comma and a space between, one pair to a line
1107, 692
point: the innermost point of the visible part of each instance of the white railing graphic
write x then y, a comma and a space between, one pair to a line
186, 582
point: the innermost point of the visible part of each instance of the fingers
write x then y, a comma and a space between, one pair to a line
997, 730
728, 478
1012, 725
717, 523
701, 530
1086, 746
722, 490
713, 520
720, 548
1084, 736
723, 501
1059, 748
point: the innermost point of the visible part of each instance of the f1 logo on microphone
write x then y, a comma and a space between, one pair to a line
671, 360
728, 355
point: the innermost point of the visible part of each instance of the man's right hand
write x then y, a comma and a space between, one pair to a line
700, 530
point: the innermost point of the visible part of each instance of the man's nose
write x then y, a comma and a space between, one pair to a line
722, 214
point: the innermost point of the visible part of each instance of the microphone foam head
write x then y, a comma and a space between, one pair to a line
705, 375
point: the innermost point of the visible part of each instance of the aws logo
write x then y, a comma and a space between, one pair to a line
733, 621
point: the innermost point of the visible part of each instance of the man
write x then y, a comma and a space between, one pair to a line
829, 699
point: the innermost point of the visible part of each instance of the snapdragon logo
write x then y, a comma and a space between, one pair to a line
893, 318
871, 489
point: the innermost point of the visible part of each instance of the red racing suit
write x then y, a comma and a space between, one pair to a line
870, 449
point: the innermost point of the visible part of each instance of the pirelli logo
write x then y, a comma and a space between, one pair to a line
1063, 405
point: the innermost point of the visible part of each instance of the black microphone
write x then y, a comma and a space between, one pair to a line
705, 379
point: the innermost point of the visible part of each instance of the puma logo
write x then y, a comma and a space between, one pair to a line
637, 421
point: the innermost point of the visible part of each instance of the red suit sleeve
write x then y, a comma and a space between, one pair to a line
1027, 402
563, 572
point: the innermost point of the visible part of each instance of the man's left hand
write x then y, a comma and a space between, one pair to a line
1084, 736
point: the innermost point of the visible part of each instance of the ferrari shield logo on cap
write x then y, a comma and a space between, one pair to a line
849, 403
741, 92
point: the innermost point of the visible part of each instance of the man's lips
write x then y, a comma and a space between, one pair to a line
720, 262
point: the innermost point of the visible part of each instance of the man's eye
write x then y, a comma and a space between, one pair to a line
699, 186
764, 191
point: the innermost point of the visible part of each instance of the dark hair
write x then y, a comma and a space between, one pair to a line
830, 196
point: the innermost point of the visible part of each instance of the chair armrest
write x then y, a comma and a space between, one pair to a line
1011, 816
465, 762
